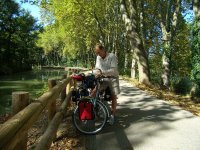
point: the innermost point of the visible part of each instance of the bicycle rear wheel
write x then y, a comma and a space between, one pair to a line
91, 126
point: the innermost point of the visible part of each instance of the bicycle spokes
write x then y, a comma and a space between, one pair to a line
91, 126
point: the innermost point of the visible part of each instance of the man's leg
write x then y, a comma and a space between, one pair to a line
114, 104
113, 109
93, 92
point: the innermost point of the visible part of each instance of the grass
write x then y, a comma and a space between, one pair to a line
184, 102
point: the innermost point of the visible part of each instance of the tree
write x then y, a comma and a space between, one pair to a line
81, 25
132, 30
168, 24
143, 36
195, 74
18, 33
196, 42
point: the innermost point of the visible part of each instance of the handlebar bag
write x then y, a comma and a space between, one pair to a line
86, 111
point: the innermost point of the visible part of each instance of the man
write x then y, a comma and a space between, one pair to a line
106, 65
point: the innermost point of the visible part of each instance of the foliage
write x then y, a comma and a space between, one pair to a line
74, 32
18, 32
195, 74
72, 27
181, 85
181, 52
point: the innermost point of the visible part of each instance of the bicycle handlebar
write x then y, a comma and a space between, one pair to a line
104, 77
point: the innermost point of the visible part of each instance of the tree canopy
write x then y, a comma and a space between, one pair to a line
18, 34
153, 40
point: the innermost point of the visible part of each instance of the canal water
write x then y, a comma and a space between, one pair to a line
34, 82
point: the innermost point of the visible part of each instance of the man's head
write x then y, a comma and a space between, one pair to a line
100, 50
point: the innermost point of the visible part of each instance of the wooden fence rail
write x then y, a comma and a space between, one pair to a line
16, 127
50, 133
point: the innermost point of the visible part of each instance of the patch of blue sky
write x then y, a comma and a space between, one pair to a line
33, 9
189, 16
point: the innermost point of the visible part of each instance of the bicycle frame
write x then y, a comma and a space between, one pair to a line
101, 112
97, 97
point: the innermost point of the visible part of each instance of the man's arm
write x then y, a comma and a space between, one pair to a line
97, 65
97, 71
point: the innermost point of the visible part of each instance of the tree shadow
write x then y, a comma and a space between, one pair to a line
129, 91
138, 117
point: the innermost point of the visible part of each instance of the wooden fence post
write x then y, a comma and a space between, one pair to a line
69, 85
69, 72
74, 82
68, 88
52, 105
63, 93
19, 101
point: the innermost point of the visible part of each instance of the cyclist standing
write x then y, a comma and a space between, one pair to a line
107, 65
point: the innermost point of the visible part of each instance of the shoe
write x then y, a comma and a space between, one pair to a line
111, 119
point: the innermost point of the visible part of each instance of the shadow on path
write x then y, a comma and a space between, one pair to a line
139, 116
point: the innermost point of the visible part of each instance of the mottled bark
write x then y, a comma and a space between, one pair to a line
126, 60
196, 8
135, 40
143, 33
168, 28
166, 68
133, 68
142, 24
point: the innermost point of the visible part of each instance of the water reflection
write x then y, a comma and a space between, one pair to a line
33, 82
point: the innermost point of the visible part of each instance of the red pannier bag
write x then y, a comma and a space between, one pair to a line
86, 110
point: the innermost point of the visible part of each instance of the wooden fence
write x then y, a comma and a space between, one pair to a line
13, 133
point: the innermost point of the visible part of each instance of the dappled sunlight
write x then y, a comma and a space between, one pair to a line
143, 120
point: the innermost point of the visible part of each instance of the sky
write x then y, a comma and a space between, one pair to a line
33, 9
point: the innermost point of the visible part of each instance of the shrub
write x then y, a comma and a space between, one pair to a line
181, 85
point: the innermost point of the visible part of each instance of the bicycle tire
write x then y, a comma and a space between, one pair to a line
107, 107
91, 126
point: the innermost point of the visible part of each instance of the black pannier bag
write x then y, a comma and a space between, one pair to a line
90, 81
75, 95
84, 92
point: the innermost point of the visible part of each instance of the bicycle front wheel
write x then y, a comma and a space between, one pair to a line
91, 126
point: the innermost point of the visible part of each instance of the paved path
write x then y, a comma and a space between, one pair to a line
147, 123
